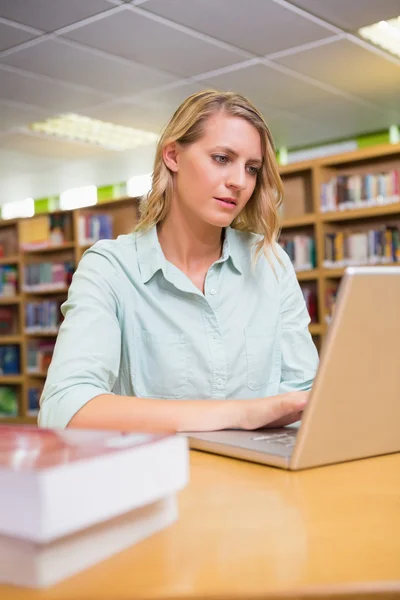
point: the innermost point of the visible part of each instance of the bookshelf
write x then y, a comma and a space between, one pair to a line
41, 253
303, 218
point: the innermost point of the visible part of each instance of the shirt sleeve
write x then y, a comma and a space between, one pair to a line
299, 356
86, 356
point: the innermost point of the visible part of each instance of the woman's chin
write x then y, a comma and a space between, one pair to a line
220, 220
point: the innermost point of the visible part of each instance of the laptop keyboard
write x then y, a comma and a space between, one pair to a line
286, 439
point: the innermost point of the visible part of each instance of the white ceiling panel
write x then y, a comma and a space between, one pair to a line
168, 99
351, 14
63, 61
264, 85
48, 147
146, 41
43, 93
353, 69
12, 36
12, 116
131, 115
258, 26
292, 132
346, 118
49, 15
149, 111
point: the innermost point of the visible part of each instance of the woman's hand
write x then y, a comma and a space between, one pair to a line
276, 411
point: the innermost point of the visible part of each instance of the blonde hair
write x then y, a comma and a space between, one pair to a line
260, 215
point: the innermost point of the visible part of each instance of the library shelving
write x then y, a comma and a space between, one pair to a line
37, 258
337, 210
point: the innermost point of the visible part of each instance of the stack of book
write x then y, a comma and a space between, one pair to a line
71, 498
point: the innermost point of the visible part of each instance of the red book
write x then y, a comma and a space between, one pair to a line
55, 482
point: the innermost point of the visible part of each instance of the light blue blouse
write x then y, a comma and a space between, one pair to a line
136, 325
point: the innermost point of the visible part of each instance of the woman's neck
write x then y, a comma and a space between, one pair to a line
191, 246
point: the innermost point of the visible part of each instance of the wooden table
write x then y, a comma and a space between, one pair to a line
250, 531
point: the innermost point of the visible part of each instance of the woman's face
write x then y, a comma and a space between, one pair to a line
216, 176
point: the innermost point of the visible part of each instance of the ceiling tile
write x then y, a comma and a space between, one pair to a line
48, 147
351, 14
348, 118
351, 68
130, 115
139, 38
64, 62
258, 26
12, 116
146, 111
12, 36
264, 85
46, 94
49, 15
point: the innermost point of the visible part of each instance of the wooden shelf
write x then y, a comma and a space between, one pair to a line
84, 247
50, 248
47, 334
40, 374
11, 379
308, 219
10, 339
307, 275
10, 260
315, 329
10, 299
361, 213
47, 292
379, 151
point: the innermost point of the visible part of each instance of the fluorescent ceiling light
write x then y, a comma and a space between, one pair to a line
18, 209
78, 197
76, 128
385, 34
139, 185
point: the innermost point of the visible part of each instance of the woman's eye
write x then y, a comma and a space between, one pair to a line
221, 158
253, 170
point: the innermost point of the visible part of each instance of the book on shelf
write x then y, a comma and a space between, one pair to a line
348, 192
7, 315
331, 293
375, 245
39, 354
48, 275
8, 402
311, 300
94, 227
9, 359
42, 317
34, 394
301, 250
8, 281
91, 493
45, 231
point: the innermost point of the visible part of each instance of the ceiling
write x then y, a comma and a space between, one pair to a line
133, 62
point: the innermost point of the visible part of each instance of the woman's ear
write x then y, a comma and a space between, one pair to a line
170, 156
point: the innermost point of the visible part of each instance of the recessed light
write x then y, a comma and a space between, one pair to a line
72, 127
385, 34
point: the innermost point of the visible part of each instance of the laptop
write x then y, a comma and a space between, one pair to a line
353, 410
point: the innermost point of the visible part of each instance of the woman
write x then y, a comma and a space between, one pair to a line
196, 320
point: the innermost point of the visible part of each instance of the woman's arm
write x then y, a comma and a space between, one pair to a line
108, 411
